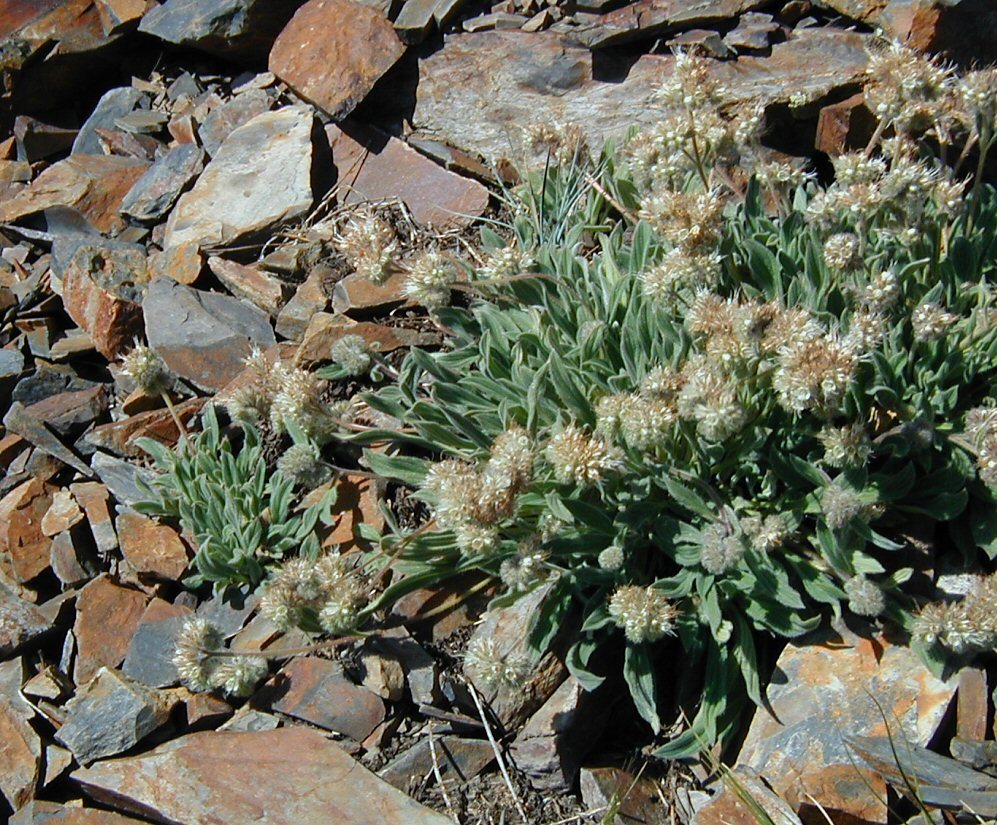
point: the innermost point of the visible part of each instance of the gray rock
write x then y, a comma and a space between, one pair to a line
229, 611
11, 362
421, 671
122, 478
202, 336
225, 119
479, 91
20, 745
114, 104
457, 758
260, 177
154, 194
236, 29
248, 720
149, 660
110, 715
21, 623
291, 776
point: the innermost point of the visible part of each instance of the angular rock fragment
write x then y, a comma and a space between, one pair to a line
833, 683
251, 284
233, 29
95, 185
119, 437
151, 549
635, 799
456, 757
290, 776
229, 116
102, 604
334, 51
372, 166
149, 660
203, 336
261, 176
324, 329
20, 745
309, 298
102, 288
739, 801
21, 536
114, 104
21, 623
39, 812
317, 691
111, 715
154, 194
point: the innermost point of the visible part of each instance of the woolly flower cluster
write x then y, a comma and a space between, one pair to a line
644, 613
146, 369
981, 428
845, 446
473, 501
768, 532
865, 597
965, 626
282, 397
814, 374
578, 458
203, 664
302, 463
326, 593
642, 420
369, 245
491, 669
908, 88
352, 354
721, 549
526, 568
691, 221
678, 276
930, 322
431, 277
505, 262
842, 505
564, 143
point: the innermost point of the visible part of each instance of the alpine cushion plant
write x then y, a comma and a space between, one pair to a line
700, 420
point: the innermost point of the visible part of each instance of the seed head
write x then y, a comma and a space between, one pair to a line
146, 369
841, 505
768, 533
523, 570
644, 613
710, 398
505, 262
845, 446
612, 558
430, 279
814, 375
720, 550
352, 354
565, 143
239, 675
475, 538
303, 464
298, 401
491, 669
930, 322
369, 245
580, 459
193, 658
865, 598
841, 252
882, 291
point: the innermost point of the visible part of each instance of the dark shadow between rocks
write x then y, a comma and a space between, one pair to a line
613, 65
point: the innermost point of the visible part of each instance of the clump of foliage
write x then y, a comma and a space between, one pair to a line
243, 517
700, 414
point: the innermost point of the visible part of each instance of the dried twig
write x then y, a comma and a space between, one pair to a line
498, 753
439, 776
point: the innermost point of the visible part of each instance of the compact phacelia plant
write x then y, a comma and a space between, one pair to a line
699, 413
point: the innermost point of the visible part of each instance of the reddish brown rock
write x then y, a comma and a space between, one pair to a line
62, 514
21, 535
834, 683
21, 623
325, 328
206, 711
103, 605
20, 745
732, 806
101, 290
93, 184
183, 263
356, 504
971, 718
67, 559
151, 548
291, 776
357, 296
117, 14
309, 298
119, 437
252, 284
635, 798
373, 166
334, 51
95, 500
844, 126
317, 691
50, 813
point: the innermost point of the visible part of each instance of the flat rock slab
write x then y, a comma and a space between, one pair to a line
103, 605
149, 660
317, 691
22, 541
203, 336
826, 687
290, 776
482, 89
372, 166
21, 623
20, 745
114, 104
334, 51
653, 18
93, 184
111, 715
154, 194
51, 813
229, 116
260, 177
240, 29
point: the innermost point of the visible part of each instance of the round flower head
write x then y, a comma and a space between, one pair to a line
865, 598
491, 669
193, 657
352, 354
521, 571
505, 262
239, 675
303, 464
841, 251
146, 369
765, 534
340, 612
841, 505
612, 558
580, 459
720, 551
369, 244
430, 279
644, 613
846, 446
930, 322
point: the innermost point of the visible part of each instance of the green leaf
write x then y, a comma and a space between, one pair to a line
638, 671
408, 470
